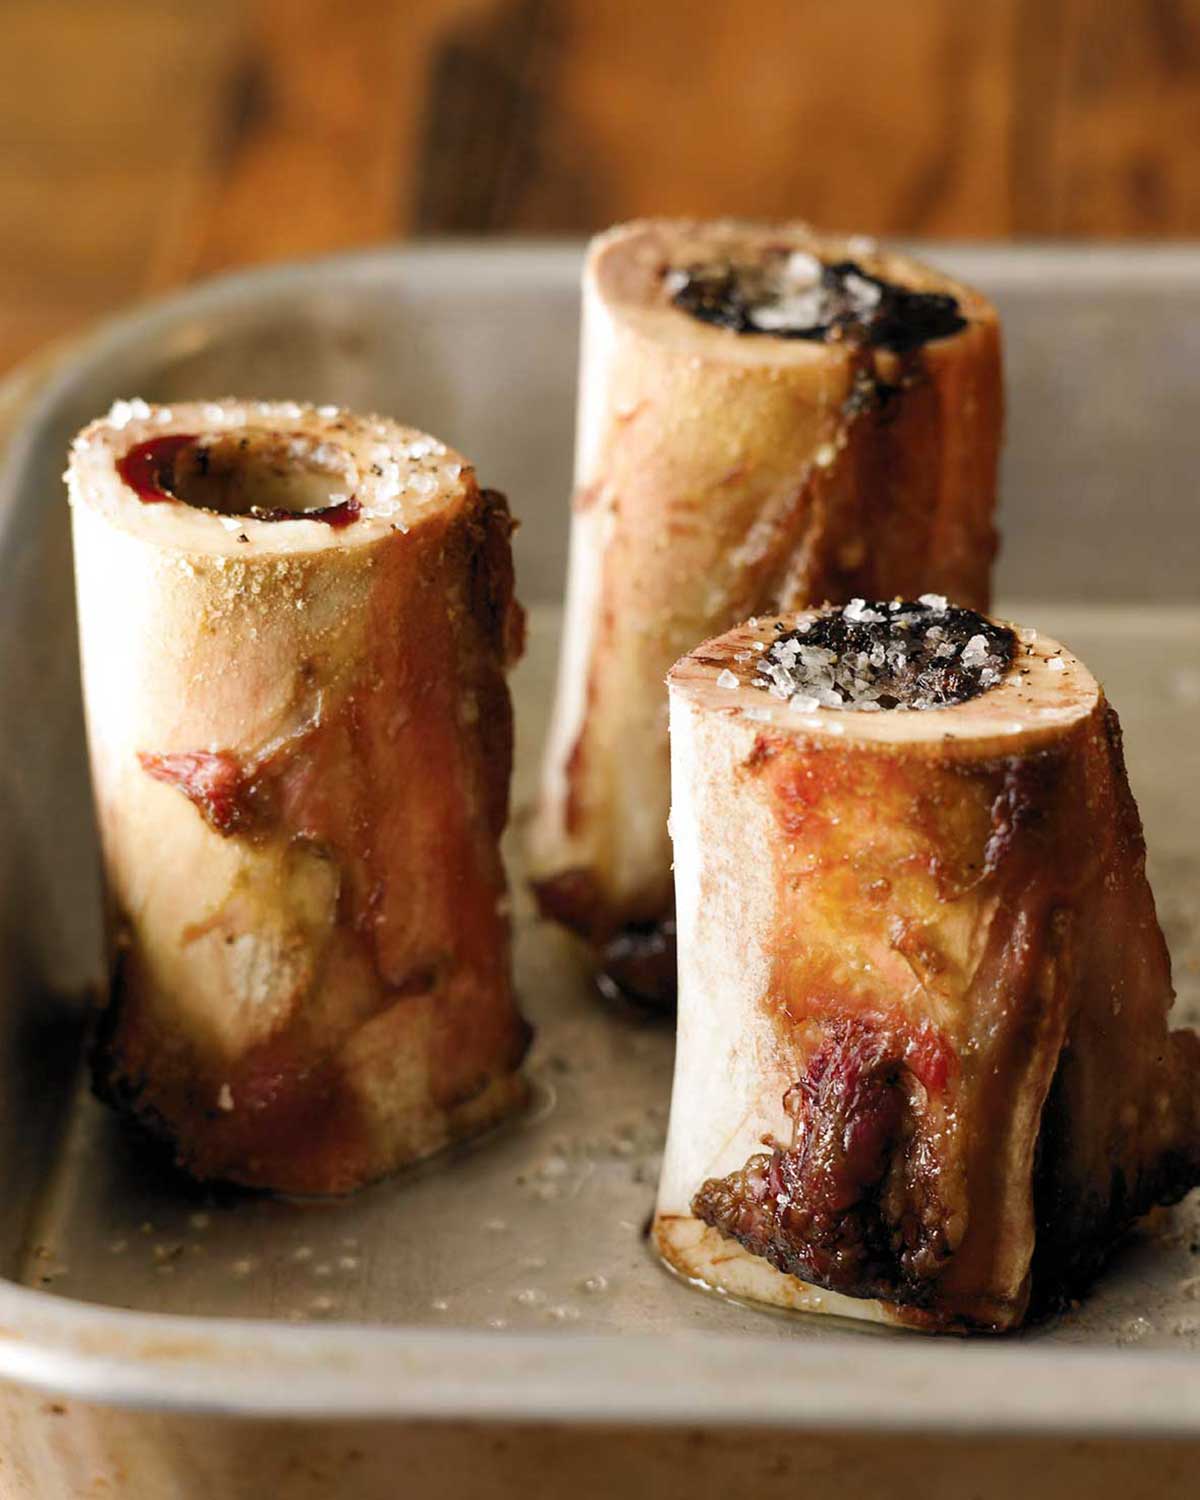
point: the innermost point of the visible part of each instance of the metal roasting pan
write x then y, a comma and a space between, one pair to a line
493, 1323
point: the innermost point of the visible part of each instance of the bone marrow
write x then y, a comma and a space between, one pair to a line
925, 1073
796, 295
903, 655
768, 419
295, 626
265, 476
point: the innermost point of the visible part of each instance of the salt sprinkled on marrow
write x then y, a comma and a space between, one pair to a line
798, 296
361, 467
900, 655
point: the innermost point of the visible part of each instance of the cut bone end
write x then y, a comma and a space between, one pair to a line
636, 270
253, 464
1043, 690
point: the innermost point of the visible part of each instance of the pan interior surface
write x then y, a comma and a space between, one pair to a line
541, 1227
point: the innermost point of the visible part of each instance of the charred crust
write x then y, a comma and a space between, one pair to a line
1130, 820
492, 580
853, 1204
495, 644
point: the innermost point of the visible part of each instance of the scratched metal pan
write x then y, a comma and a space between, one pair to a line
511, 1283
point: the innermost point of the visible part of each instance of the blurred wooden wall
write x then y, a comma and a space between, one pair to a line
147, 142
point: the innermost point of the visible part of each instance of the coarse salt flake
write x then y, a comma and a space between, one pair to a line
121, 413
975, 652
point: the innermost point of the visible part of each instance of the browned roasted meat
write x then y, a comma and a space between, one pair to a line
295, 626
924, 1069
768, 419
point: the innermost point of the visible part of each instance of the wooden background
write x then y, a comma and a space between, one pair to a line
147, 142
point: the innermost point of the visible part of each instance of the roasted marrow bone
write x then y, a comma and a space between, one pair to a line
295, 625
924, 1071
767, 419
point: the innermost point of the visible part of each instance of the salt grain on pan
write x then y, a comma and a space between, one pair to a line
225, 1098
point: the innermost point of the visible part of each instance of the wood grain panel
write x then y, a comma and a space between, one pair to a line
835, 112
1126, 133
317, 134
146, 142
100, 104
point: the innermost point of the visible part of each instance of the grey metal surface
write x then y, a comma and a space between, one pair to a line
514, 1279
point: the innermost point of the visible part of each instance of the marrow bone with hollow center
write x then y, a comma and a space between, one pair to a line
903, 1089
295, 624
721, 471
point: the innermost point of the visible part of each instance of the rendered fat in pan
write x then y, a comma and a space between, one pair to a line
295, 625
924, 1070
768, 419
